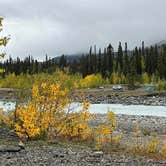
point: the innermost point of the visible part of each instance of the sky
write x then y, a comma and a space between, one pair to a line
56, 27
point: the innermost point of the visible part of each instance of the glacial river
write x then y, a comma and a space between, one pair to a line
103, 108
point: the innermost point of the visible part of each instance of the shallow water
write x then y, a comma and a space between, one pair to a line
126, 109
6, 105
104, 108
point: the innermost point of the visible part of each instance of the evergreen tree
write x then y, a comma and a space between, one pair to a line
104, 63
143, 49
110, 59
132, 73
126, 61
62, 62
119, 65
138, 61
99, 62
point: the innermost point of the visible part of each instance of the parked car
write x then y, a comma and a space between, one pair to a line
117, 88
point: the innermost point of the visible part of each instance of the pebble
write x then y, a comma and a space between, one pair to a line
116, 99
44, 156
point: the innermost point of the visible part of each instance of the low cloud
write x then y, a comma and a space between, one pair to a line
56, 27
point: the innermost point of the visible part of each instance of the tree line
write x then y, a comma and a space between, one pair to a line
132, 64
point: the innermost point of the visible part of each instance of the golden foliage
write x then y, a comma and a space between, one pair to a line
26, 81
86, 105
47, 114
76, 125
152, 146
91, 81
27, 124
44, 112
1, 19
137, 130
104, 132
116, 139
5, 117
3, 42
111, 120
117, 78
163, 149
145, 78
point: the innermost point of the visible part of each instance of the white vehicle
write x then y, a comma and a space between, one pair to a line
117, 88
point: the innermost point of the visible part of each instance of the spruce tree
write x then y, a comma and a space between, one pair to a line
119, 64
138, 61
126, 61
132, 73
99, 61
110, 59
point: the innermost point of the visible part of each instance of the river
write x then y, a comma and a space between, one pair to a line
104, 108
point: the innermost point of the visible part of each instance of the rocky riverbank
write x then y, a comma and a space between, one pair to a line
158, 100
83, 156
127, 123
106, 94
60, 156
150, 127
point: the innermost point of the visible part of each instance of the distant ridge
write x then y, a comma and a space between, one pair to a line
162, 42
76, 57
69, 58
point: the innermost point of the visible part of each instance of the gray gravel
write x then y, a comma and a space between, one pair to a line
58, 156
158, 100
70, 156
127, 123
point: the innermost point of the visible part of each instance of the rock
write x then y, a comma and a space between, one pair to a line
10, 148
117, 99
21, 145
45, 155
101, 87
98, 154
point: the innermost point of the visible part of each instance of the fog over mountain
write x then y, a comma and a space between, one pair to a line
60, 27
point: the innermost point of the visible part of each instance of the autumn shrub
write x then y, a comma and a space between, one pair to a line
44, 112
5, 118
103, 134
76, 126
146, 132
17, 82
26, 81
27, 124
117, 78
152, 146
142, 147
161, 85
163, 149
48, 115
91, 81
145, 79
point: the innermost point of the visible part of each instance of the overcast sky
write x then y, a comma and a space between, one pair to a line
55, 27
